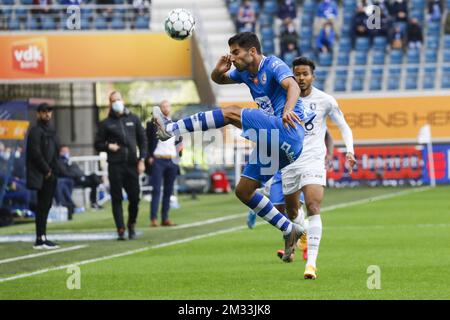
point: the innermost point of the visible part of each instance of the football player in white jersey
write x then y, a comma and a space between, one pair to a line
308, 173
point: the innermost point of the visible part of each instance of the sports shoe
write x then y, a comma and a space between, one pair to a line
131, 232
290, 241
45, 245
310, 273
280, 253
302, 244
168, 223
121, 234
154, 223
251, 219
161, 121
96, 206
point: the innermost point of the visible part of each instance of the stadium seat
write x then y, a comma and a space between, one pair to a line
376, 79
418, 4
396, 56
378, 57
256, 7
307, 20
343, 59
434, 29
394, 79
430, 56
447, 41
306, 32
31, 23
379, 43
345, 29
8, 2
141, 22
309, 6
340, 84
267, 33
322, 74
13, 24
288, 58
360, 58
345, 45
100, 23
446, 56
349, 6
358, 79
21, 13
413, 56
26, 2
411, 78
305, 45
362, 44
265, 20
48, 22
85, 23
418, 14
319, 84
348, 17
270, 7
446, 81
117, 23
432, 42
268, 47
325, 59
429, 78
233, 8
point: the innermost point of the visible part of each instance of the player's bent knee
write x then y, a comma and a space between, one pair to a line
232, 113
243, 195
313, 208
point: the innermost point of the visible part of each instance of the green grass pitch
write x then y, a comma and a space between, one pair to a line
406, 234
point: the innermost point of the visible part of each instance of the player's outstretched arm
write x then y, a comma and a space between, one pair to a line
219, 74
292, 96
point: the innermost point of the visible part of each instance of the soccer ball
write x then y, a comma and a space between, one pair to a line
179, 24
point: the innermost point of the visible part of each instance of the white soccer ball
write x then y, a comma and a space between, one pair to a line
179, 24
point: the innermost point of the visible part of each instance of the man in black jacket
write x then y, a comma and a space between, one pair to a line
41, 160
120, 134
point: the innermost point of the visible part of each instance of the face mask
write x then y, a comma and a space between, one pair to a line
17, 154
66, 155
118, 106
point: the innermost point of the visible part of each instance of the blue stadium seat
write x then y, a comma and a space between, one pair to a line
325, 59
233, 7
265, 20
289, 57
270, 7
429, 78
446, 56
48, 23
100, 23
31, 23
379, 43
376, 83
411, 78
85, 23
343, 58
319, 84
348, 17
340, 84
378, 57
341, 72
430, 56
142, 22
396, 56
345, 29
434, 29
349, 5
13, 24
394, 78
268, 47
360, 58
117, 23
267, 33
447, 41
358, 79
418, 14
305, 45
306, 32
256, 7
446, 81
307, 20
21, 13
432, 42
309, 6
119, 1
8, 2
345, 45
413, 56
321, 73
362, 44
418, 4
26, 2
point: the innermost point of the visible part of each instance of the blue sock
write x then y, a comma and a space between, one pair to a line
262, 206
201, 121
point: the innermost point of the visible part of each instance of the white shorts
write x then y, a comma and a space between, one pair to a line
294, 178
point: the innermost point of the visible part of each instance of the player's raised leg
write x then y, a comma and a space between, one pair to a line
201, 121
313, 195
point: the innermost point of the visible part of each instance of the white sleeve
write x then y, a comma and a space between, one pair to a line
337, 117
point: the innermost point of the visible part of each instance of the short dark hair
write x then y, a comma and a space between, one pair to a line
246, 40
43, 107
304, 61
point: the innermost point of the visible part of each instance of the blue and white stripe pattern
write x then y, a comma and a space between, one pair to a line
262, 206
201, 121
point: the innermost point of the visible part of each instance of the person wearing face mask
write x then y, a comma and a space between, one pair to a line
41, 170
120, 135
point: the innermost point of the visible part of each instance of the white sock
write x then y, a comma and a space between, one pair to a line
314, 233
301, 218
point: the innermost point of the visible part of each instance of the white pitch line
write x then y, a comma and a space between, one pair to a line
209, 221
211, 234
34, 255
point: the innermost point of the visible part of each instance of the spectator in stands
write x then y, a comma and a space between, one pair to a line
42, 169
288, 36
287, 9
246, 17
106, 9
325, 39
163, 162
435, 9
359, 24
415, 35
399, 11
385, 26
397, 38
121, 135
326, 10
70, 176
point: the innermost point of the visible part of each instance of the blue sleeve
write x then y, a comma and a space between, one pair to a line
280, 70
235, 75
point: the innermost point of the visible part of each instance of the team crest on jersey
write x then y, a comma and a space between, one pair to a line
264, 78
313, 106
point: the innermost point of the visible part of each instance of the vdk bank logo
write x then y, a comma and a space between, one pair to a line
30, 55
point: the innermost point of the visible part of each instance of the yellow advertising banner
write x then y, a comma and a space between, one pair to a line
83, 56
13, 129
384, 120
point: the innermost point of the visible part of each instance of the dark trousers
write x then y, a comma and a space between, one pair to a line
124, 176
163, 169
44, 198
92, 181
63, 193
